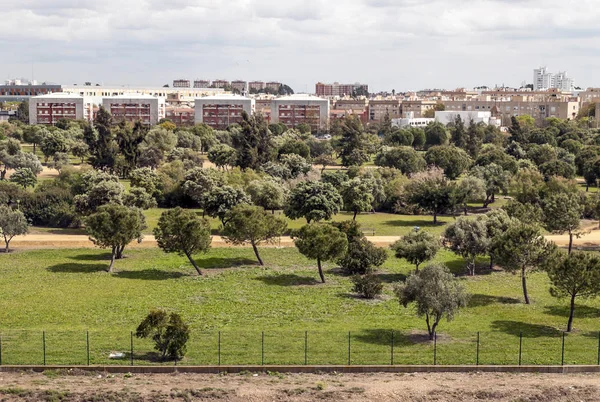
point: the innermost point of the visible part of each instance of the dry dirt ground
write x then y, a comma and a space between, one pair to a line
68, 386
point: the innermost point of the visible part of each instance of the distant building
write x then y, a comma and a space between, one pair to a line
239, 86
297, 109
135, 107
273, 86
220, 83
219, 112
378, 108
255, 86
416, 108
50, 108
181, 116
446, 117
201, 83
337, 89
543, 80
181, 83
5, 115
411, 121
16, 91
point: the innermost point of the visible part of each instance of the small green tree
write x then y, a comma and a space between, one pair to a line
168, 331
222, 155
313, 201
432, 191
268, 194
182, 231
562, 213
221, 200
522, 248
322, 242
469, 189
454, 161
12, 223
417, 247
468, 238
436, 293
251, 224
577, 275
115, 226
368, 285
24, 177
358, 196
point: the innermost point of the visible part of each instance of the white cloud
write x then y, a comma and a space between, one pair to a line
401, 44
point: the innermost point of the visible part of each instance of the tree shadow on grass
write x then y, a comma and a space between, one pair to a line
422, 223
580, 311
384, 337
529, 330
459, 268
392, 278
287, 280
75, 268
91, 257
217, 262
480, 300
149, 275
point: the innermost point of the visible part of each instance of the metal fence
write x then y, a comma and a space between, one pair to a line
364, 347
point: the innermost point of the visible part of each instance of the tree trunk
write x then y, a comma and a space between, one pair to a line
466, 210
34, 147
320, 270
120, 251
112, 259
472, 267
354, 217
260, 261
587, 187
433, 329
524, 284
193, 263
435, 217
570, 242
417, 268
7, 241
571, 314
491, 261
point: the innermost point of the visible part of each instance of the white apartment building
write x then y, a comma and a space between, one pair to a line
219, 112
147, 109
543, 80
49, 108
446, 117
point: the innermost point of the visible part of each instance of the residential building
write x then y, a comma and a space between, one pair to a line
563, 82
337, 89
201, 83
475, 117
378, 108
181, 116
239, 86
5, 115
49, 108
597, 117
146, 109
220, 84
255, 86
263, 104
16, 91
347, 107
219, 112
543, 79
294, 110
97, 93
273, 86
416, 108
181, 83
411, 121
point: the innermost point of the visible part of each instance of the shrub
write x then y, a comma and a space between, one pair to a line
168, 331
368, 286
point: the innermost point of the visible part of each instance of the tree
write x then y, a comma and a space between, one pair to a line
522, 248
80, 150
431, 191
24, 177
60, 160
251, 224
23, 112
34, 135
358, 196
354, 143
436, 293
417, 247
253, 143
362, 256
314, 201
454, 161
368, 285
497, 221
12, 223
458, 132
436, 134
115, 226
147, 179
562, 214
495, 179
222, 155
138, 197
405, 159
267, 193
103, 147
182, 231
129, 138
17, 161
577, 275
221, 200
468, 238
53, 143
168, 331
469, 189
322, 242
198, 182
97, 189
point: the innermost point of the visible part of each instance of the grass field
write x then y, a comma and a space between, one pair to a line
67, 292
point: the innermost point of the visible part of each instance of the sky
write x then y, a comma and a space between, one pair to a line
388, 44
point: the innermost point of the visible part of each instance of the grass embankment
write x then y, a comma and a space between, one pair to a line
67, 292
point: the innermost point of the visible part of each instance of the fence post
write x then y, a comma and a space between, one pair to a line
0, 350
44, 343
219, 347
562, 358
87, 344
598, 348
131, 348
348, 348
520, 346
477, 357
392, 353
305, 348
262, 355
435, 349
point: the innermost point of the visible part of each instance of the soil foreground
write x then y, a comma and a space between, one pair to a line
72, 386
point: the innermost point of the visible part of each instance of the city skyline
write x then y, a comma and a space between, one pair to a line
401, 45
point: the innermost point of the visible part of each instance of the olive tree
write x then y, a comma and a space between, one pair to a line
417, 247
12, 223
24, 177
562, 214
313, 201
182, 231
268, 194
115, 226
358, 196
436, 294
432, 191
468, 238
321, 242
251, 224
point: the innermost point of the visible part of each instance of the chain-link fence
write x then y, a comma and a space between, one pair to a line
364, 347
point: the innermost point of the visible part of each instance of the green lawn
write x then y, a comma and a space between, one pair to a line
66, 293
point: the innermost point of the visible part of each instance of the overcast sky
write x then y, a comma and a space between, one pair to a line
388, 44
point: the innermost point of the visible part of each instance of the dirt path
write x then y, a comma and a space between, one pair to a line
300, 387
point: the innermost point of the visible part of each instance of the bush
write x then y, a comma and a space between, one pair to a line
362, 257
168, 331
368, 286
